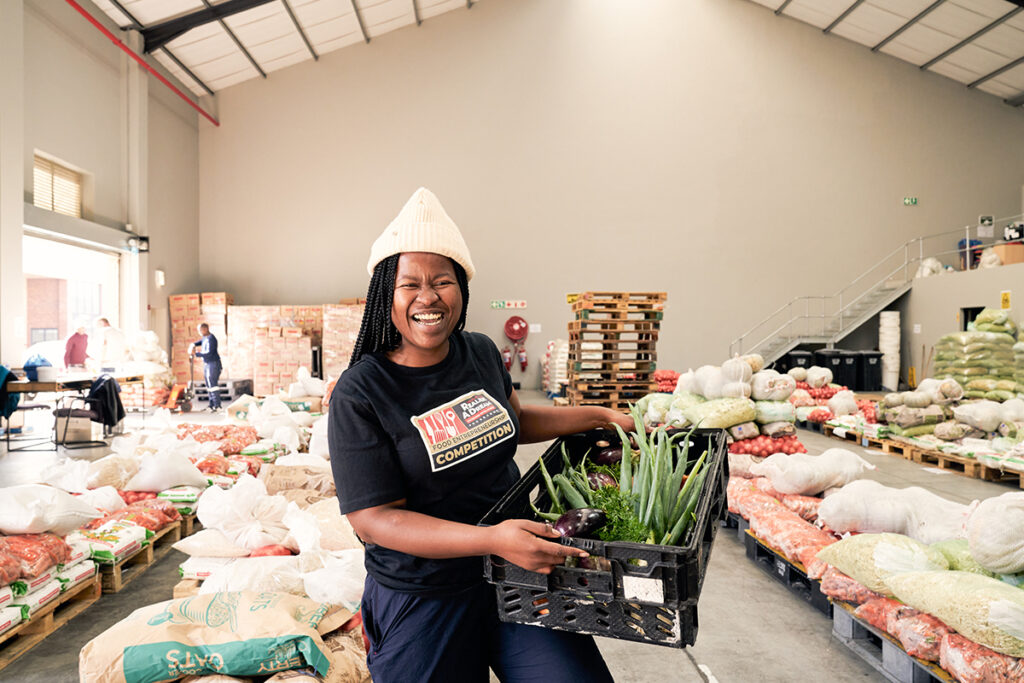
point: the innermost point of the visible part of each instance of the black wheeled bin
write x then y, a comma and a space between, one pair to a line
833, 360
799, 359
870, 371
850, 377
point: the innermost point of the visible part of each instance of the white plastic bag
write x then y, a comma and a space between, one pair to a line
818, 377
995, 533
335, 531
736, 390
709, 381
687, 383
164, 470
210, 543
36, 508
1012, 410
313, 386
318, 439
809, 475
872, 558
105, 498
245, 513
270, 574
865, 506
798, 373
67, 475
843, 403
989, 259
340, 581
740, 464
983, 415
112, 470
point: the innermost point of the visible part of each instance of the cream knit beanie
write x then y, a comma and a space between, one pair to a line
422, 225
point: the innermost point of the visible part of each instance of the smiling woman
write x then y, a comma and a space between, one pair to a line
423, 428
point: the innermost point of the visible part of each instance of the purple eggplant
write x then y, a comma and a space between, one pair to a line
599, 479
580, 522
608, 456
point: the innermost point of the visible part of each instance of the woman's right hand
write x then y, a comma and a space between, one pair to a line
522, 543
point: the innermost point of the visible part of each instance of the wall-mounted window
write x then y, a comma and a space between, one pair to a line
56, 188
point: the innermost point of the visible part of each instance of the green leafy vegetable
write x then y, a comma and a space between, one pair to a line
622, 524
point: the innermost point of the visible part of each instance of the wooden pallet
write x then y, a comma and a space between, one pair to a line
614, 365
899, 448
189, 525
116, 576
968, 467
619, 314
612, 325
1001, 476
620, 296
28, 634
858, 438
621, 405
560, 401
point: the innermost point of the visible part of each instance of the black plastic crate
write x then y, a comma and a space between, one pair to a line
870, 378
650, 593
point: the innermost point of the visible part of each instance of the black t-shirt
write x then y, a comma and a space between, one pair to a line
441, 437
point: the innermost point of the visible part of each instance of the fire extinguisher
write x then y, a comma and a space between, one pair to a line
523, 360
506, 357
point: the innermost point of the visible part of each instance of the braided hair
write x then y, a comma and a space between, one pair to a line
377, 331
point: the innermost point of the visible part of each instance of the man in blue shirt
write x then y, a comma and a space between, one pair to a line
211, 363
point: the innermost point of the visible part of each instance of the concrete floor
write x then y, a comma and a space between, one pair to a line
751, 627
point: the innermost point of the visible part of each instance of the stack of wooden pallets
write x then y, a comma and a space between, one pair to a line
612, 341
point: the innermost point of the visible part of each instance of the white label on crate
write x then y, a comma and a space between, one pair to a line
840, 432
643, 590
780, 567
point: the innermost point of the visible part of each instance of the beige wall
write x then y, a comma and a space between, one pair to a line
706, 148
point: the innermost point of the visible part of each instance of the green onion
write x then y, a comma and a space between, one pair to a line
556, 502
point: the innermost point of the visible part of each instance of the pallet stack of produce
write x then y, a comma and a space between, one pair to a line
612, 339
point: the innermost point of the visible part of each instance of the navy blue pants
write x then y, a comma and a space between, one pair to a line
458, 638
211, 373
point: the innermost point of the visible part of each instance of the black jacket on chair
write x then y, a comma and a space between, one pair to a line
105, 399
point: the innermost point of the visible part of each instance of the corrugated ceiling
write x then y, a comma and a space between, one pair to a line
979, 43
232, 41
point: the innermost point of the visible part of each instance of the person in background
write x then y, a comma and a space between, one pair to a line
211, 363
113, 346
75, 349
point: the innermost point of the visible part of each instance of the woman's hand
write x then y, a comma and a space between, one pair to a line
519, 541
614, 417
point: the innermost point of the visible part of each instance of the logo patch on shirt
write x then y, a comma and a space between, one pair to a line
463, 428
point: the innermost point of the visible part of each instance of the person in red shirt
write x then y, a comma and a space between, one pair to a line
74, 350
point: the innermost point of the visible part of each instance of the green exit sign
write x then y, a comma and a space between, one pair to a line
910, 201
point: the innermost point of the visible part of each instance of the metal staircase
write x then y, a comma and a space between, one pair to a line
827, 319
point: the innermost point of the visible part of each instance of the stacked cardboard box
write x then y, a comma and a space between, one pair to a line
278, 353
340, 331
244, 320
186, 311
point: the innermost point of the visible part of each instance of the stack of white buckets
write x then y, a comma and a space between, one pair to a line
889, 345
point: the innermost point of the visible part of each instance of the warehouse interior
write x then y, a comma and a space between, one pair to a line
652, 170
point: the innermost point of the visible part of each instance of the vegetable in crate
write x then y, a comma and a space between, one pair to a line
580, 523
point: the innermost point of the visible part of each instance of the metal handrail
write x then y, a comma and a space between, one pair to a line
737, 344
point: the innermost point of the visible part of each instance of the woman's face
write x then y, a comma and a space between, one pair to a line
426, 306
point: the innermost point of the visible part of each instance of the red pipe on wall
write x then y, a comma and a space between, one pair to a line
131, 53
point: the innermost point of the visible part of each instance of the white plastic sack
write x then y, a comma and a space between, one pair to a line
105, 498
288, 436
687, 383
1012, 410
740, 464
929, 266
843, 403
126, 444
36, 508
809, 475
313, 386
798, 373
865, 506
657, 407
995, 533
318, 439
340, 581
165, 470
989, 259
210, 543
270, 574
818, 377
296, 390
983, 415
709, 381
872, 558
67, 475
112, 470
245, 513
335, 531
768, 385
736, 390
